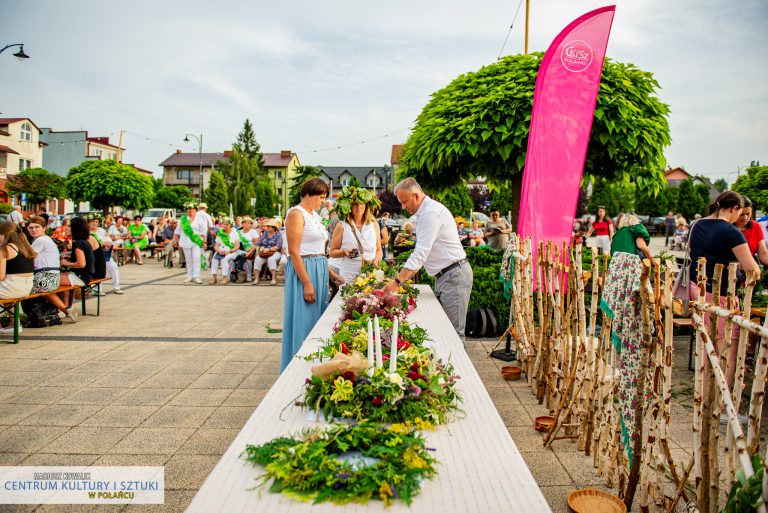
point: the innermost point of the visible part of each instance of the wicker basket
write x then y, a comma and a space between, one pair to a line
591, 500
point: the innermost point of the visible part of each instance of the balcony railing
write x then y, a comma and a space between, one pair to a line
3, 172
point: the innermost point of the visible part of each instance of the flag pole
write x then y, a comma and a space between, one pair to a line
527, 9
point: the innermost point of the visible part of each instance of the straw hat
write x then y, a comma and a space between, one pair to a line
274, 223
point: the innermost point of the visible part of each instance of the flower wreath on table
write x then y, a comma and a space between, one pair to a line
346, 463
372, 278
352, 335
422, 391
378, 303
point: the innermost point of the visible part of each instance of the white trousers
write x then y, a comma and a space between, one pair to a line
113, 273
193, 257
227, 263
271, 262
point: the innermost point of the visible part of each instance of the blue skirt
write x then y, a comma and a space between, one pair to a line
299, 317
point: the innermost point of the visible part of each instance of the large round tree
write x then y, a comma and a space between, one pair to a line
108, 183
478, 126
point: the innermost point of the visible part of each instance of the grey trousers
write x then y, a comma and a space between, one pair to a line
453, 290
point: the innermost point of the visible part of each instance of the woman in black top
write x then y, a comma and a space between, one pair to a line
80, 261
716, 239
17, 262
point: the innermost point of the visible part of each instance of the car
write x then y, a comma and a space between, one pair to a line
481, 218
155, 213
654, 225
84, 213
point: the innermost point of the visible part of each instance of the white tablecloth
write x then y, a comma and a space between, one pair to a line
480, 470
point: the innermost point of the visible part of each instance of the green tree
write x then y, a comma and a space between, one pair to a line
173, 197
478, 126
615, 196
241, 174
266, 199
689, 200
303, 173
754, 185
5, 208
703, 191
246, 141
107, 183
215, 196
39, 184
458, 201
721, 185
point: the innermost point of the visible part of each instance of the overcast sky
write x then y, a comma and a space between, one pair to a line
314, 75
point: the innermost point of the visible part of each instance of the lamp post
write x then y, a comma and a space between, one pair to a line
200, 154
20, 54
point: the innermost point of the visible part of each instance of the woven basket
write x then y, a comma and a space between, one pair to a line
591, 500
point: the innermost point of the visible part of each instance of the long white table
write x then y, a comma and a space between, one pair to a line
481, 469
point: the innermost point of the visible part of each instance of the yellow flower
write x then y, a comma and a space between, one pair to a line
413, 460
367, 290
423, 425
385, 493
401, 290
398, 428
343, 390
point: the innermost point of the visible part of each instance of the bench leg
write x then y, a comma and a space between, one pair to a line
98, 299
82, 297
691, 341
16, 314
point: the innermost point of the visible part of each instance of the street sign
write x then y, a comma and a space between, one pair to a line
23, 197
253, 202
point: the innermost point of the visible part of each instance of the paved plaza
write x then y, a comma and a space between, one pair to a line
169, 373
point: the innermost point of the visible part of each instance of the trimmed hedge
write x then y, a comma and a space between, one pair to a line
487, 290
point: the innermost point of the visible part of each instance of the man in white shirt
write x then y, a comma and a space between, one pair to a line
202, 210
438, 249
16, 216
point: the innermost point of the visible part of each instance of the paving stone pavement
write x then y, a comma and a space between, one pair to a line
170, 372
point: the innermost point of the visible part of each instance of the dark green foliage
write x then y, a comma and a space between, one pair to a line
721, 185
241, 173
39, 184
5, 208
616, 197
266, 200
246, 141
108, 183
457, 200
478, 126
487, 290
303, 173
747, 494
754, 185
690, 201
215, 196
354, 182
172, 197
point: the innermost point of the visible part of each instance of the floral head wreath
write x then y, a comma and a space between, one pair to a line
247, 219
190, 204
351, 195
228, 220
93, 216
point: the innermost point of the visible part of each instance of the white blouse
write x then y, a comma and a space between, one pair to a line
47, 253
315, 235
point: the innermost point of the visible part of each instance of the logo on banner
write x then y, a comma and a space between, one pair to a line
576, 55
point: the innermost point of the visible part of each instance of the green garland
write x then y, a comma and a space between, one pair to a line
351, 195
422, 391
312, 467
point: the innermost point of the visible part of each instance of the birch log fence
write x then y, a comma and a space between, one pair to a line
565, 349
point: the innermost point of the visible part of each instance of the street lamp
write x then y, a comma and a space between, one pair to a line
20, 54
200, 154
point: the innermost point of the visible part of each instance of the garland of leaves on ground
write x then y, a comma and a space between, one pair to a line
378, 454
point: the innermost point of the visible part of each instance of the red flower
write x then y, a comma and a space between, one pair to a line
415, 375
349, 376
343, 348
385, 357
415, 366
377, 401
403, 344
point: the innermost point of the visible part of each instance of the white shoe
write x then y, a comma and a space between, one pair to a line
187, 280
72, 313
118, 291
9, 329
198, 281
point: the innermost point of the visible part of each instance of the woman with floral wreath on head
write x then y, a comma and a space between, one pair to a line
225, 249
356, 240
190, 236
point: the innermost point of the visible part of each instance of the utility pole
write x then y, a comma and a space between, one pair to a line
527, 10
120, 146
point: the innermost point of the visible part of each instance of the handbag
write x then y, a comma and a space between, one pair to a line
266, 253
682, 287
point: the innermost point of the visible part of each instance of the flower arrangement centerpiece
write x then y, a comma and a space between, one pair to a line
346, 463
377, 302
372, 278
413, 386
351, 335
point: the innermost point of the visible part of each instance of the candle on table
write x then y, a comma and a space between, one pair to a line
393, 350
370, 343
379, 355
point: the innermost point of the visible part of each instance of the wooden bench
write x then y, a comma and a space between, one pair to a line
11, 306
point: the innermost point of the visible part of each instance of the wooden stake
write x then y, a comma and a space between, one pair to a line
699, 416
758, 394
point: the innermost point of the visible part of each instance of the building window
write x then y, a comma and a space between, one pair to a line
24, 164
184, 175
279, 175
26, 132
345, 181
95, 152
279, 191
373, 181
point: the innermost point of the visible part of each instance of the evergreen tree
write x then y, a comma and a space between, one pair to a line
215, 196
246, 141
689, 201
721, 185
266, 200
241, 174
303, 173
615, 196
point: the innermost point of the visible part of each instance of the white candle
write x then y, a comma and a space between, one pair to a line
370, 343
393, 350
379, 355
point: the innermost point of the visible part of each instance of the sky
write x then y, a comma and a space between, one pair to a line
313, 76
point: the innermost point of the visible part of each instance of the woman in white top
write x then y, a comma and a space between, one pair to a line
190, 235
357, 239
47, 270
307, 272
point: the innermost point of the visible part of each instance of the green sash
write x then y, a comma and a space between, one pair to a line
186, 227
99, 239
225, 239
245, 242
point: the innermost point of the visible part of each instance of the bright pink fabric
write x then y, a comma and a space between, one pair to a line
563, 110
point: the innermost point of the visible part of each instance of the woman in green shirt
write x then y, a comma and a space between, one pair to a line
138, 240
621, 302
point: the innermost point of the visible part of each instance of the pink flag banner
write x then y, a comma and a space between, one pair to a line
561, 121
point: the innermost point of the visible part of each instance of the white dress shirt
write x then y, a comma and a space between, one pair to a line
437, 241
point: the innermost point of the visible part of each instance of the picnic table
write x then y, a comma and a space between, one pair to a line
480, 469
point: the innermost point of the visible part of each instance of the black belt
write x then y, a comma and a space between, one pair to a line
452, 266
